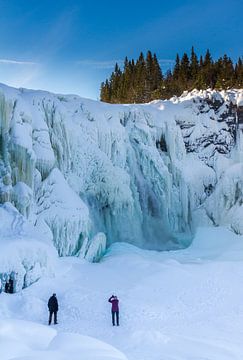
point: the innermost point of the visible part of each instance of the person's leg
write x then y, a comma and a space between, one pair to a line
55, 317
50, 317
113, 318
117, 318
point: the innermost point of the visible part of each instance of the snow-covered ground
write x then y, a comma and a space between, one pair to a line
176, 305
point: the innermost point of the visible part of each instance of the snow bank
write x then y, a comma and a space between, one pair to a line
22, 340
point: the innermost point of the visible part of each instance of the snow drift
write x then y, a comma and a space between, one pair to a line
144, 174
24, 340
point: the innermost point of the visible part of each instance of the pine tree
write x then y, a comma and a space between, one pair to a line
194, 68
140, 79
157, 73
176, 72
228, 72
238, 77
199, 82
184, 74
105, 92
218, 66
127, 80
115, 84
157, 79
149, 77
209, 79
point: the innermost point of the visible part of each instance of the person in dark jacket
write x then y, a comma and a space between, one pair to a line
6, 287
11, 286
114, 309
53, 308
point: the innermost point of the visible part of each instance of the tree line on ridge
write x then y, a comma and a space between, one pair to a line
142, 80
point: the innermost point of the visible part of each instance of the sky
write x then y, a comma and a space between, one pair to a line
71, 46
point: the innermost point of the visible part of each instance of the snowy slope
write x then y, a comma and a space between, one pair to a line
144, 174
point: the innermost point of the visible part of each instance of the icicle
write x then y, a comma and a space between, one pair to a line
95, 249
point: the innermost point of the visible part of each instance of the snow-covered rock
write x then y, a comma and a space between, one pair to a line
144, 174
24, 256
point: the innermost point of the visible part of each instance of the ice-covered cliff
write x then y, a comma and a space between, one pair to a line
144, 174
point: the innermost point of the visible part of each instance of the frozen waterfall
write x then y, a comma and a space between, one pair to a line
144, 174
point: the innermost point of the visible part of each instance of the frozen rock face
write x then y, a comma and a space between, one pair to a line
144, 174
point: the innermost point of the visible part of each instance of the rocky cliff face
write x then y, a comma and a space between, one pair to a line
145, 174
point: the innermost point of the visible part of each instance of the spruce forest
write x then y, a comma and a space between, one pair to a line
142, 80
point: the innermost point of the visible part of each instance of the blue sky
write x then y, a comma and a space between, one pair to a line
70, 46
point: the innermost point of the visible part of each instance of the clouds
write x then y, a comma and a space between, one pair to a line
16, 62
19, 73
99, 64
110, 64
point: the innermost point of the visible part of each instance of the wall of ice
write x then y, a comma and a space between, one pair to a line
144, 174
